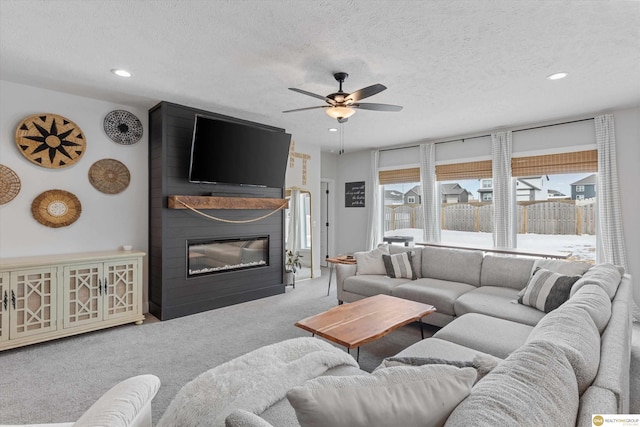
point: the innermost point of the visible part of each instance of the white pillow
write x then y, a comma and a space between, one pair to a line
407, 396
371, 262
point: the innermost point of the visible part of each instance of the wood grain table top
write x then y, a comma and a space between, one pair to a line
366, 320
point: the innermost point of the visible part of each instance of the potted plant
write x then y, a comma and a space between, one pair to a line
292, 263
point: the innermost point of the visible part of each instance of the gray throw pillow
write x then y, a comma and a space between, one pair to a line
399, 266
483, 364
242, 418
371, 262
547, 290
407, 396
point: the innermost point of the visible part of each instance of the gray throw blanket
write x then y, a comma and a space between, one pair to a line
252, 382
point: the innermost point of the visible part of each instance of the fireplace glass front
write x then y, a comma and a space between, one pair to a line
217, 256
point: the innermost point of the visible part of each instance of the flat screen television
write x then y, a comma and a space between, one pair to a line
224, 152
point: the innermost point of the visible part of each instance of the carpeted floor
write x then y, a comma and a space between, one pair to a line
57, 381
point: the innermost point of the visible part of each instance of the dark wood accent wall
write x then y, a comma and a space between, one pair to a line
171, 294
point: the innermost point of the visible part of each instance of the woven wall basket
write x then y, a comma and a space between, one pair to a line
109, 176
56, 208
50, 140
9, 184
123, 127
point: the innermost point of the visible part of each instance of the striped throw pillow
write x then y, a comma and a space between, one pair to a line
399, 265
547, 290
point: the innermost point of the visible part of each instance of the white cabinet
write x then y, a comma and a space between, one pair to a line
55, 296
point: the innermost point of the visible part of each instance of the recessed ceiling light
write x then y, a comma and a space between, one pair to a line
333, 130
120, 72
557, 76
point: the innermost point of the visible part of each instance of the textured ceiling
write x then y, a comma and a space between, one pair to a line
457, 67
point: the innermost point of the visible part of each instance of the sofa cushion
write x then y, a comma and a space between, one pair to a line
370, 285
416, 261
573, 331
497, 302
569, 268
441, 294
399, 266
455, 265
596, 400
503, 271
371, 262
595, 301
397, 396
497, 337
535, 386
441, 349
606, 275
547, 290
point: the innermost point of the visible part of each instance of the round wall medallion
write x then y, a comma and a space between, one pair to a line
9, 184
123, 127
109, 176
50, 140
56, 208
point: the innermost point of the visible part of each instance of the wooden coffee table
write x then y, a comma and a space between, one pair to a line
366, 320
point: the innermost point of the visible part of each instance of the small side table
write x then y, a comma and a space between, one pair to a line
345, 259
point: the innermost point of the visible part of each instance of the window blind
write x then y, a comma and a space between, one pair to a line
468, 170
399, 176
574, 162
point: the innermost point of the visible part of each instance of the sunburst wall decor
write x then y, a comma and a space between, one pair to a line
50, 140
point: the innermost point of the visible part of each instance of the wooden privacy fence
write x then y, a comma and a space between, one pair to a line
541, 217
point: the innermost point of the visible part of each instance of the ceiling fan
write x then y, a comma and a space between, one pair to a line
342, 105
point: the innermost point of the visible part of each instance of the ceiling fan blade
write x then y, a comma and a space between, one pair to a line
307, 108
365, 92
376, 107
315, 95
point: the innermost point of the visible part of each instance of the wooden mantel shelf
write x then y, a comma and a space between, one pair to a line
214, 202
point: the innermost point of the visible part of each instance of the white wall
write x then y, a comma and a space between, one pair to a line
294, 177
628, 154
352, 222
107, 221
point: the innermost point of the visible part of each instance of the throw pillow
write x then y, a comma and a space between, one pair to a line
405, 396
371, 262
547, 290
483, 364
399, 266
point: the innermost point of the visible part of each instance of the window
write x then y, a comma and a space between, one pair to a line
466, 210
550, 217
402, 211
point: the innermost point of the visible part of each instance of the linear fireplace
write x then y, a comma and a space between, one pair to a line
210, 256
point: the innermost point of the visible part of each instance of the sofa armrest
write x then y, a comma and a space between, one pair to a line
127, 404
342, 272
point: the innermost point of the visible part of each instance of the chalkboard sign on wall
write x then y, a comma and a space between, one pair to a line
354, 194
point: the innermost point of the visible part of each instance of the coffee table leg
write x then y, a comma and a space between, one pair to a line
330, 274
357, 354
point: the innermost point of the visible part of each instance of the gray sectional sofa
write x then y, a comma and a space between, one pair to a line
493, 362
476, 298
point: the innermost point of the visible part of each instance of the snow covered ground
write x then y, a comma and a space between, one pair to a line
581, 247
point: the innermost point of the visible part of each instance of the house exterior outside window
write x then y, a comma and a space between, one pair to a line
579, 188
411, 199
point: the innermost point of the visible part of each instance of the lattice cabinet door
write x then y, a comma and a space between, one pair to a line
5, 294
82, 298
122, 283
32, 302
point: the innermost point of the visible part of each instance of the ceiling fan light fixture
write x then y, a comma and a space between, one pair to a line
557, 76
340, 112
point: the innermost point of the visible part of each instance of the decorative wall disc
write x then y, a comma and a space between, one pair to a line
9, 184
56, 208
123, 127
50, 140
109, 176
